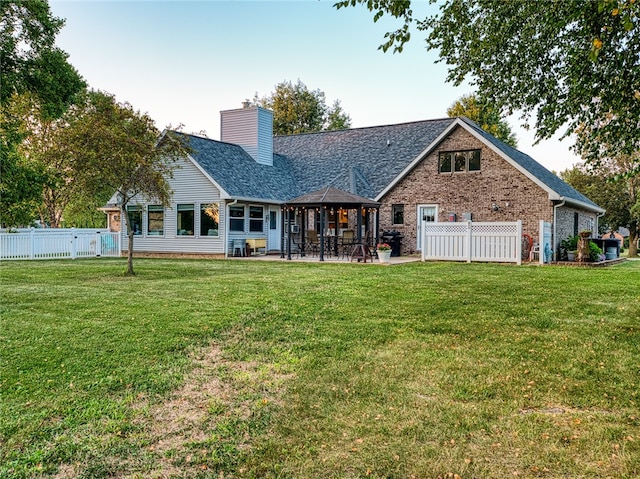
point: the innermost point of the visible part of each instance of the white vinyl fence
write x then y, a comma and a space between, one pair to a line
468, 241
55, 243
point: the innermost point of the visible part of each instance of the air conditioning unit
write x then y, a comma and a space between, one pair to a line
295, 229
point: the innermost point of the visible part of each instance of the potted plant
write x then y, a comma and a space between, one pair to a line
570, 246
384, 252
585, 234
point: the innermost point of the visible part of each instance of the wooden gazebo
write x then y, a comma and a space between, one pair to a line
322, 201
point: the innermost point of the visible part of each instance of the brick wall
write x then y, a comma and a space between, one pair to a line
571, 221
469, 192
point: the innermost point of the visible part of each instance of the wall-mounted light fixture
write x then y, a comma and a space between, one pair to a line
495, 207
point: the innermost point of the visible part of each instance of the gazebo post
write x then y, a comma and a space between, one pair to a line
321, 233
289, 234
377, 223
303, 223
283, 210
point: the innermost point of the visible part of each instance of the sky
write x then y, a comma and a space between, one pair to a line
183, 62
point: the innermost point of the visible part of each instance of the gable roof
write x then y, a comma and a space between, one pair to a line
238, 175
367, 162
362, 161
554, 185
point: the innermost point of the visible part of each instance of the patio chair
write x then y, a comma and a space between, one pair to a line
313, 242
239, 247
348, 240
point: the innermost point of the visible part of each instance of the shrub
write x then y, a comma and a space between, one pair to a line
594, 252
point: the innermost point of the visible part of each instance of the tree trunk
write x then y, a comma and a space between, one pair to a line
633, 244
130, 242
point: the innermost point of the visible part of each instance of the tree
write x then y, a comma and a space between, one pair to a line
613, 189
50, 149
31, 67
485, 115
568, 63
120, 148
296, 109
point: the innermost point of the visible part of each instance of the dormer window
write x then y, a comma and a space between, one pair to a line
459, 161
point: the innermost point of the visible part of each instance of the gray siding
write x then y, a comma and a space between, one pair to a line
252, 129
190, 186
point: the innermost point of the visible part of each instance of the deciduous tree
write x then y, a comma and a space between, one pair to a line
31, 67
296, 109
611, 187
566, 63
485, 115
120, 148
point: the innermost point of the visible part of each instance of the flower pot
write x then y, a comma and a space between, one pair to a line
571, 255
585, 234
384, 256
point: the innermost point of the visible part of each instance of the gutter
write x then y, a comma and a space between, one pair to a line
598, 222
226, 228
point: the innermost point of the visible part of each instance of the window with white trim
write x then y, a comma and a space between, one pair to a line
256, 219
155, 220
236, 218
209, 219
135, 218
185, 220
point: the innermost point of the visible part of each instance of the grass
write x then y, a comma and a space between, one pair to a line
205, 368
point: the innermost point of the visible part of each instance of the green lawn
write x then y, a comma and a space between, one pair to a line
210, 368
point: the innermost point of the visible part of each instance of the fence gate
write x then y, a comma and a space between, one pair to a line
468, 241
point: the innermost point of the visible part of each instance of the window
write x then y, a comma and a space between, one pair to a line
236, 218
135, 218
398, 214
209, 219
256, 219
155, 220
185, 220
459, 161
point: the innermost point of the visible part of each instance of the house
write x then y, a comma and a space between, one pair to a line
435, 170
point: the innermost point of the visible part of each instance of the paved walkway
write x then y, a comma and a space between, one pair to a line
327, 259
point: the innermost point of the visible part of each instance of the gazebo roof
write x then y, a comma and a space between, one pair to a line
334, 197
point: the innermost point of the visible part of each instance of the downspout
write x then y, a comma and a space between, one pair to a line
598, 222
555, 227
226, 229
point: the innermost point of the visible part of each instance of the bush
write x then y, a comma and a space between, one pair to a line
595, 253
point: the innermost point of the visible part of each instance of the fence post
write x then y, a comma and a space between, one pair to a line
469, 241
32, 240
519, 242
73, 243
98, 244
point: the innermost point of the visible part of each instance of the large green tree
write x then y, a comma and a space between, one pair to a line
485, 115
119, 148
296, 109
51, 150
566, 63
31, 67
611, 187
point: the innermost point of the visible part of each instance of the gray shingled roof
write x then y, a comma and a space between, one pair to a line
333, 196
362, 160
240, 175
551, 180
